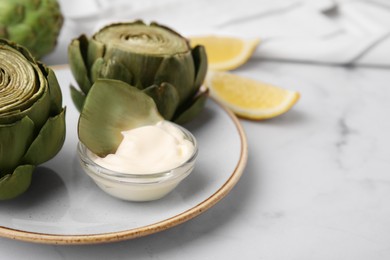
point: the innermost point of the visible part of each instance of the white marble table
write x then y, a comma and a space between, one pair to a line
316, 185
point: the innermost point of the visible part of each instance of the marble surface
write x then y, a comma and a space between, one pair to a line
316, 186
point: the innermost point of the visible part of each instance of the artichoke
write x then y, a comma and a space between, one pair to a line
35, 24
152, 58
32, 120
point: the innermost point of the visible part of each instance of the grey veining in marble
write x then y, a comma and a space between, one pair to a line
316, 186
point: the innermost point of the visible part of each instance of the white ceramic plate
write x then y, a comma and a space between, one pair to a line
64, 206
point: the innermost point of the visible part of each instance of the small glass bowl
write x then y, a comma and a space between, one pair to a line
137, 187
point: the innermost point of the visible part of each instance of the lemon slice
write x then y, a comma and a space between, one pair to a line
226, 53
249, 98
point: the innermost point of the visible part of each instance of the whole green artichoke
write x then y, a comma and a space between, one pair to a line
32, 120
35, 24
152, 58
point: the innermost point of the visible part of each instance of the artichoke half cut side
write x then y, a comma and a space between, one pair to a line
152, 58
32, 119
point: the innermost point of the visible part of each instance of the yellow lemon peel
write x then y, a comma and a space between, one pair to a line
226, 53
250, 98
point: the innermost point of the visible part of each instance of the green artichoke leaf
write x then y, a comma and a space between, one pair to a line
55, 92
40, 110
78, 97
111, 69
179, 71
13, 185
96, 50
200, 61
96, 70
77, 52
193, 109
141, 66
113, 106
48, 142
14, 141
166, 98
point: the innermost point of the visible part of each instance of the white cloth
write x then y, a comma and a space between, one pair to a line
342, 32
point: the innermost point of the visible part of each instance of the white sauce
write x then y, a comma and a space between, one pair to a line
149, 149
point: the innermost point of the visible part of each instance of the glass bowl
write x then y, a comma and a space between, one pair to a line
137, 187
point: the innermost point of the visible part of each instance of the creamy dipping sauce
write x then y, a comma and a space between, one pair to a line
149, 149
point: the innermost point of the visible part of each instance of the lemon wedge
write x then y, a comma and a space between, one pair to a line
226, 53
249, 98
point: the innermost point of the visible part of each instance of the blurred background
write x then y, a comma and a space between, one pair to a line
336, 32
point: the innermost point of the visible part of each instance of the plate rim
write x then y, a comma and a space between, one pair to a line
116, 236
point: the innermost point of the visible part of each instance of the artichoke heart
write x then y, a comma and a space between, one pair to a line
32, 120
35, 24
152, 58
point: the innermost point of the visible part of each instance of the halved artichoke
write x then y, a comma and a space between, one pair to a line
152, 58
35, 24
32, 120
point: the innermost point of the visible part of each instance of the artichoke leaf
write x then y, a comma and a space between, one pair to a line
48, 142
96, 70
78, 97
181, 64
142, 67
113, 106
77, 62
40, 110
110, 69
55, 92
166, 98
13, 185
14, 140
200, 61
96, 50
190, 112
